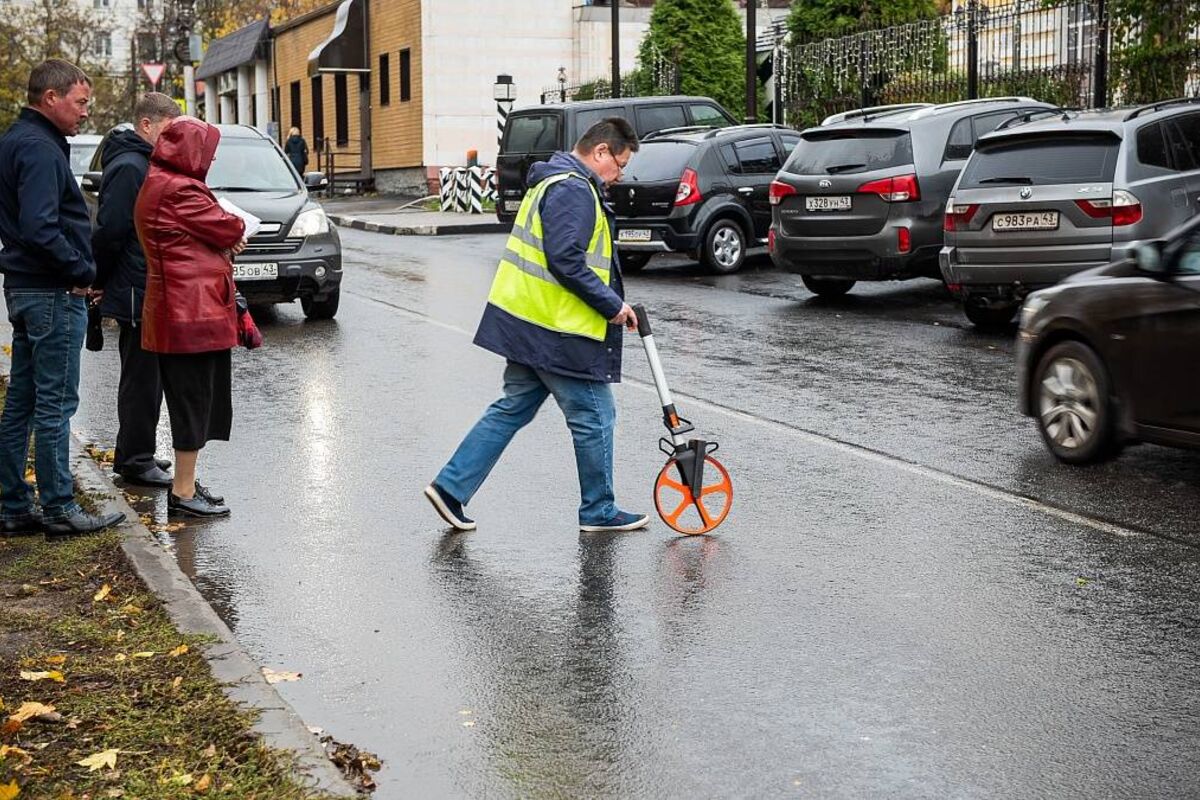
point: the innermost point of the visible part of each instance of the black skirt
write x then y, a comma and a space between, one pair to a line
199, 396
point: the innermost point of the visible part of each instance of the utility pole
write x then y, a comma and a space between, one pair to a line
1100, 79
751, 61
616, 47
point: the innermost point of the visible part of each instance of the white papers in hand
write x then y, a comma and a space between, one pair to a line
253, 223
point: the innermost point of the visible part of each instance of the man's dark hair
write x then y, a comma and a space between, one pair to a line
56, 74
616, 132
155, 106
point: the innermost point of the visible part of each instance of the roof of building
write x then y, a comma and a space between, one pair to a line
233, 50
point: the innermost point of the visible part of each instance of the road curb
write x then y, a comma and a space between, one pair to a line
344, 221
278, 724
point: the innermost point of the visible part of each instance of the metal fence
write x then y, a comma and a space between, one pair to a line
658, 77
1065, 51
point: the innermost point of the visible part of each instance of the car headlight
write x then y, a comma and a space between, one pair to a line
1033, 304
310, 223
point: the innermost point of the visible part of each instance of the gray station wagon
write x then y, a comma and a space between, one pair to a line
1044, 199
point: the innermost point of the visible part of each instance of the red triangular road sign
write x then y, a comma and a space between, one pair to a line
154, 72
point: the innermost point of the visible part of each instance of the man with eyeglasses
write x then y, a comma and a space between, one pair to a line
556, 312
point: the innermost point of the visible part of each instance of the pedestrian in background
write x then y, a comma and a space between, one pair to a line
189, 317
556, 312
48, 267
121, 277
296, 149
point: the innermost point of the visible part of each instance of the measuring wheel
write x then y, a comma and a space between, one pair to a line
684, 510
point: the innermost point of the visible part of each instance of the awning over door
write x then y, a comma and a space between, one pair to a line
242, 46
345, 49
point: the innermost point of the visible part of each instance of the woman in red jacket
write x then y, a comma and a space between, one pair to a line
189, 317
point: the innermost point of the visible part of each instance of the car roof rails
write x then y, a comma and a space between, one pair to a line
1159, 106
863, 113
680, 129
977, 101
739, 128
1037, 113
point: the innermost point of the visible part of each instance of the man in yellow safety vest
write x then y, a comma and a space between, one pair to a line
555, 312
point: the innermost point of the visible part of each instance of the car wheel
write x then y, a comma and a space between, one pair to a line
321, 309
634, 262
1074, 404
724, 248
989, 318
827, 287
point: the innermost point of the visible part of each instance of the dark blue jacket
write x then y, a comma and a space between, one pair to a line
120, 262
568, 220
44, 225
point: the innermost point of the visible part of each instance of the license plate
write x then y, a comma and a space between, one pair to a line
256, 271
839, 202
633, 235
1026, 221
512, 205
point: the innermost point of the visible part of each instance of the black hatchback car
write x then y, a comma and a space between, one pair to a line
1109, 355
699, 191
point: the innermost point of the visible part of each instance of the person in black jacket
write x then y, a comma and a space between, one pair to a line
121, 276
296, 149
48, 269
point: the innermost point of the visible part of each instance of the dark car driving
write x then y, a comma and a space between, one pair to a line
536, 133
1109, 355
702, 192
296, 253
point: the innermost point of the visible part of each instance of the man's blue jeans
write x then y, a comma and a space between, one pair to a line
591, 415
43, 394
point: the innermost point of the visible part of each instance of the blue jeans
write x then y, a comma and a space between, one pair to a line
43, 394
591, 415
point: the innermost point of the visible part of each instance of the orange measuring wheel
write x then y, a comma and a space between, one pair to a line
689, 512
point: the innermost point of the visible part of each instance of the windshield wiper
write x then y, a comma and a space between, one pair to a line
835, 169
237, 189
1016, 180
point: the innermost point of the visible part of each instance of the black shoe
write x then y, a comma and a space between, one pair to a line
82, 522
197, 506
151, 476
204, 492
27, 524
448, 508
162, 464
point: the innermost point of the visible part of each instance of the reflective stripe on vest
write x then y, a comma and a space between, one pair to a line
524, 285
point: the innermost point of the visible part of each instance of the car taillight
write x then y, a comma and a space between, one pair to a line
771, 240
958, 216
689, 189
900, 189
778, 191
1123, 208
903, 239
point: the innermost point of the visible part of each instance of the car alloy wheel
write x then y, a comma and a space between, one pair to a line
726, 247
1073, 403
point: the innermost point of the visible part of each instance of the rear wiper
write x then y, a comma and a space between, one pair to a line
1021, 181
834, 170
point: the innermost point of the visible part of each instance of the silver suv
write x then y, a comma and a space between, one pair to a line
862, 198
1043, 199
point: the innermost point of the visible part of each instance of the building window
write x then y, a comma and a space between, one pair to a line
341, 110
385, 80
295, 101
405, 75
147, 49
318, 111
100, 3
102, 45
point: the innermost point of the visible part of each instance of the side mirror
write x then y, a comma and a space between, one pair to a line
315, 180
91, 182
1149, 258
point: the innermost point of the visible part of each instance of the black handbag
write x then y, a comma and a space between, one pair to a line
95, 333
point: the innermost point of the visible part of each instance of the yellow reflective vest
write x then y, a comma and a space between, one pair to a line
524, 285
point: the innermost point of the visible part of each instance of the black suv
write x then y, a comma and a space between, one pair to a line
863, 198
534, 134
699, 191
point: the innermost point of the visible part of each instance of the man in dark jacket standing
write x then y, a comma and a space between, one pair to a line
121, 276
47, 265
556, 311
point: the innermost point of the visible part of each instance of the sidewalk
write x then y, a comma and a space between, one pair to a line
387, 215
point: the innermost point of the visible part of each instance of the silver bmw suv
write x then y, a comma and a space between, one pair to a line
1043, 199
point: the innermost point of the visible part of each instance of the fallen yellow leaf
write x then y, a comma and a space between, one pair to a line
103, 593
53, 675
56, 660
144, 654
120, 635
10, 790
30, 710
105, 758
119, 657
130, 608
178, 651
6, 751
178, 680
203, 784
273, 676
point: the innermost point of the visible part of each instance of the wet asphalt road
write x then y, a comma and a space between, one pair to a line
910, 598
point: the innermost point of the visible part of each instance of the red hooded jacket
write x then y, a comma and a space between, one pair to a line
185, 234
